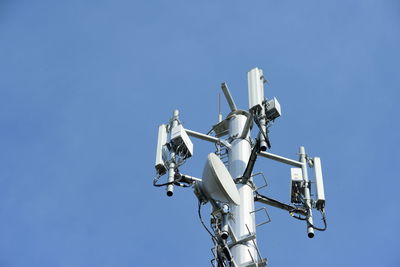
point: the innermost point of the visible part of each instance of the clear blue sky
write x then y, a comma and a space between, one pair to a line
85, 84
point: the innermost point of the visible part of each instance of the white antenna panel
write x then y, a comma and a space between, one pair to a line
319, 183
162, 140
255, 79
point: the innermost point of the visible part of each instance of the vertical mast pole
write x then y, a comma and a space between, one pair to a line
307, 194
242, 220
171, 167
219, 108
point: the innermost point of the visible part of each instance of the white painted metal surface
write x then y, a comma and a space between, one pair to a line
228, 97
319, 183
171, 167
238, 157
255, 87
296, 174
273, 109
255, 79
217, 181
162, 140
307, 193
179, 136
278, 158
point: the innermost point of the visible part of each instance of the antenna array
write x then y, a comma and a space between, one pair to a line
228, 182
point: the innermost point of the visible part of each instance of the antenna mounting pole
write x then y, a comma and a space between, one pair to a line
242, 220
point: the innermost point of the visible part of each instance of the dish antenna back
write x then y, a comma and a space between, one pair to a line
217, 183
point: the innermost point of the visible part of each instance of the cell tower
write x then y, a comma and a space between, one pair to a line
228, 182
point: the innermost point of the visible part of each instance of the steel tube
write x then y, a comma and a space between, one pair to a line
202, 136
224, 222
228, 97
277, 204
263, 141
208, 138
171, 167
307, 193
281, 159
190, 178
242, 220
171, 177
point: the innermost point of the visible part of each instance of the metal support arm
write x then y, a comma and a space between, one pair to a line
228, 97
208, 138
277, 204
291, 162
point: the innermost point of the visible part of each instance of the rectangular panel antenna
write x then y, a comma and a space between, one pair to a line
255, 80
162, 140
319, 183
